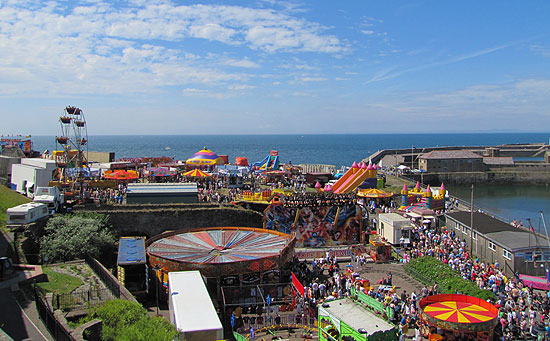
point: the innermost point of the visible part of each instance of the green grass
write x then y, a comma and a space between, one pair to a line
59, 283
8, 199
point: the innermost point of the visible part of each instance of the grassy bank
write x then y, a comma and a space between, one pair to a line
428, 269
59, 283
9, 198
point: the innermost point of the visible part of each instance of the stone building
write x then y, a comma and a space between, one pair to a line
446, 161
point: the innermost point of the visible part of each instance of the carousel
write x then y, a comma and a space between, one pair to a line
464, 317
221, 253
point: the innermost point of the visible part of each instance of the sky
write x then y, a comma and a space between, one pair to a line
275, 67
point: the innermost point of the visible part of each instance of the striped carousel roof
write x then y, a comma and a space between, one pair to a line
224, 245
205, 157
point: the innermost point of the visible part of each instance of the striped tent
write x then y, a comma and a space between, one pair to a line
205, 157
197, 173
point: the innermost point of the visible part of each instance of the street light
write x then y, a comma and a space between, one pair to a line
156, 268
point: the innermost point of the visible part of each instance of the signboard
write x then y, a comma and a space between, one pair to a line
314, 254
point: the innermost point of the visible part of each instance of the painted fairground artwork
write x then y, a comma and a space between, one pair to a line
316, 226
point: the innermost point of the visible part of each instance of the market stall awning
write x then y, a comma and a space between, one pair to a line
205, 157
158, 171
121, 174
196, 173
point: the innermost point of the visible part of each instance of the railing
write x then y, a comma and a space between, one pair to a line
372, 303
46, 314
81, 299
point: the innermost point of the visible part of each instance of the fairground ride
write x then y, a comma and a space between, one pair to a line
72, 147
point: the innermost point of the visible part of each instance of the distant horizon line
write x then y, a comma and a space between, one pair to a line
302, 134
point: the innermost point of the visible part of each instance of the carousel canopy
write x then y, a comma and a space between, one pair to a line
205, 157
196, 173
373, 193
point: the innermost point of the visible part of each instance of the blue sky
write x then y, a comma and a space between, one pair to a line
270, 67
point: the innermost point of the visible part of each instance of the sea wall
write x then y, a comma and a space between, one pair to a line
538, 173
150, 220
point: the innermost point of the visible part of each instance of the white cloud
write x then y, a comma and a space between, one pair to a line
100, 48
244, 63
313, 79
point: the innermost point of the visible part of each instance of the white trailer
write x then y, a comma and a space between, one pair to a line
191, 308
26, 213
394, 228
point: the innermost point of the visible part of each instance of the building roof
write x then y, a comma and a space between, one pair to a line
512, 238
192, 306
355, 316
162, 188
519, 239
499, 161
131, 250
450, 154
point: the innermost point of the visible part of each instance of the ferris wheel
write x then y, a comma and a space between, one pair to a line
73, 139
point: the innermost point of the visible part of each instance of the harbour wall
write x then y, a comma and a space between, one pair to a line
528, 173
150, 220
517, 150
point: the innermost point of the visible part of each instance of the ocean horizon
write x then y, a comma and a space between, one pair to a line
336, 149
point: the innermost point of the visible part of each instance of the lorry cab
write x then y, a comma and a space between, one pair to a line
50, 196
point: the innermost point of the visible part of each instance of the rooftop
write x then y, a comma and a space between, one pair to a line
510, 237
519, 239
356, 316
499, 161
450, 154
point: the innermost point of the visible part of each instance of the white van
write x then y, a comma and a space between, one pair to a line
26, 213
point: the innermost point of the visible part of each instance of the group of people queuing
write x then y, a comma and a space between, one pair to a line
523, 312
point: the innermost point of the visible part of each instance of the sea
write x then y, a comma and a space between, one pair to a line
519, 202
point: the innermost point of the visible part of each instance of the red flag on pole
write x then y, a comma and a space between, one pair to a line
296, 283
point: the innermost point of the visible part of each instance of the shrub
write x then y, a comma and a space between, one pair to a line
126, 320
448, 280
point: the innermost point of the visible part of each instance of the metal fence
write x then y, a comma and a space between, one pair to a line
81, 299
55, 328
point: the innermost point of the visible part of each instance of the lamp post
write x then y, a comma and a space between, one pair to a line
412, 157
156, 268
472, 221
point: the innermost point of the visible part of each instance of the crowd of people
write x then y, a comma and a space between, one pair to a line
522, 310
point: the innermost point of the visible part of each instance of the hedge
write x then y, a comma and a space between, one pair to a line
448, 280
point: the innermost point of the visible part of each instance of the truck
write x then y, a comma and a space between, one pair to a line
51, 197
191, 308
26, 213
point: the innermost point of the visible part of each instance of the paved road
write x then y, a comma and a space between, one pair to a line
14, 321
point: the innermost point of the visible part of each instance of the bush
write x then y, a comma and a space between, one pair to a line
69, 237
448, 280
126, 320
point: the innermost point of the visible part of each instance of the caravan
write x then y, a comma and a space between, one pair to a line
26, 214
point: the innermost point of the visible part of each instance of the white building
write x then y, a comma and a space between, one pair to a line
32, 173
394, 228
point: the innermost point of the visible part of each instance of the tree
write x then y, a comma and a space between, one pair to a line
69, 237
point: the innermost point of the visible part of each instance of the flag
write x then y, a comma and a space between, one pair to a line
296, 283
